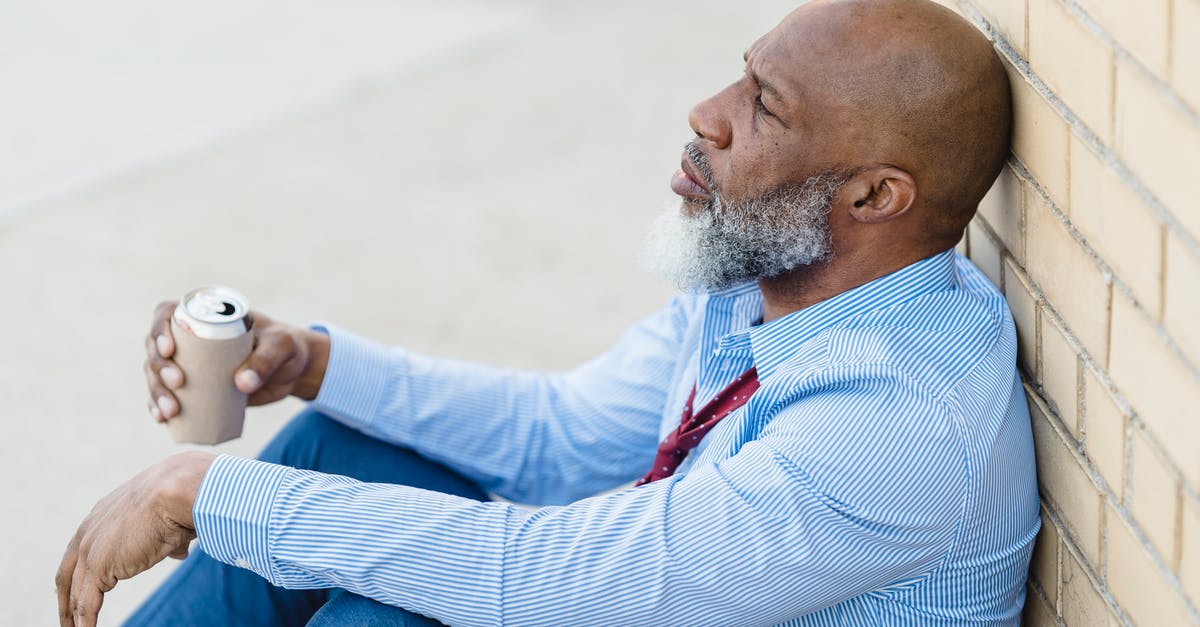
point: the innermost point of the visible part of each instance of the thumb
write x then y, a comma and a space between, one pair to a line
247, 380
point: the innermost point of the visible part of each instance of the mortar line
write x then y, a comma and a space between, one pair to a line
1025, 175
1123, 512
1107, 155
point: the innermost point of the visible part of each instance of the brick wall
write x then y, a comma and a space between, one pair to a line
1093, 234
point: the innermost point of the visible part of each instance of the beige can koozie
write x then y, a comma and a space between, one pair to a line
211, 409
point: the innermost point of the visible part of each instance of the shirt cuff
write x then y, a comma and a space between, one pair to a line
233, 510
356, 377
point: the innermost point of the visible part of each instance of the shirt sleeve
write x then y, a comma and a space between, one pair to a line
541, 438
776, 531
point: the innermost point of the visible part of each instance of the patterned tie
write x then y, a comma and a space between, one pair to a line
692, 428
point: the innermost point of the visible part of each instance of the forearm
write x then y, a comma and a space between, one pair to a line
531, 437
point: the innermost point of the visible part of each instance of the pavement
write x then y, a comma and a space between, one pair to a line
467, 178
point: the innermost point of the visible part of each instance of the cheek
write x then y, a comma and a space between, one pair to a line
755, 169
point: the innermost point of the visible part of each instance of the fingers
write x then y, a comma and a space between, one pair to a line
275, 347
162, 375
76, 586
62, 581
160, 329
163, 399
88, 600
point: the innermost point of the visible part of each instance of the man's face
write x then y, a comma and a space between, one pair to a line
771, 127
753, 205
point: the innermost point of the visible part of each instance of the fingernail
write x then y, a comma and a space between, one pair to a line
163, 345
248, 380
166, 405
171, 376
155, 412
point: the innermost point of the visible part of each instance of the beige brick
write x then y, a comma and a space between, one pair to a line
1154, 496
1067, 276
1185, 72
1002, 208
1138, 584
1065, 483
1060, 373
1036, 612
1076, 65
1181, 309
1039, 138
1024, 306
985, 252
1118, 224
1008, 16
1158, 385
1081, 602
1043, 567
1159, 144
1104, 424
1189, 563
1139, 27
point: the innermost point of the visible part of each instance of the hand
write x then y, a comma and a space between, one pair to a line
285, 360
135, 527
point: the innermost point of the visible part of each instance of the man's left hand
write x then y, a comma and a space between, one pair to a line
135, 527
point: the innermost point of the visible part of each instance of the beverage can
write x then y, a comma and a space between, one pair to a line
212, 330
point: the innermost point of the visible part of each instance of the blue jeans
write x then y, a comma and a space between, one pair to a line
203, 591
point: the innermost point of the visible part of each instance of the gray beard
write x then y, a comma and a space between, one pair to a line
730, 242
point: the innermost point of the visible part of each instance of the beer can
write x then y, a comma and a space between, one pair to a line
212, 330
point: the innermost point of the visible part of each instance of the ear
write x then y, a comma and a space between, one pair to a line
879, 194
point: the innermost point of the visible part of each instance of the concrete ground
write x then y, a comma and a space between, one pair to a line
470, 179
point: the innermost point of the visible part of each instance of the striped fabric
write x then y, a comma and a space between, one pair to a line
883, 473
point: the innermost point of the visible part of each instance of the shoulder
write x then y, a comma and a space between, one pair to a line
934, 339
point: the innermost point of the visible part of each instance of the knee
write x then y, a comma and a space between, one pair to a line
297, 443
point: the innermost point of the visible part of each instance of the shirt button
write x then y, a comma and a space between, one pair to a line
241, 563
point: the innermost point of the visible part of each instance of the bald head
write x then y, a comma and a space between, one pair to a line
902, 101
903, 82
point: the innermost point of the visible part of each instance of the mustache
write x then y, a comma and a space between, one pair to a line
702, 166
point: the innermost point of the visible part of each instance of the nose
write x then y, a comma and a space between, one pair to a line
709, 121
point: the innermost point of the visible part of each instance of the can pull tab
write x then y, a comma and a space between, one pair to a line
206, 305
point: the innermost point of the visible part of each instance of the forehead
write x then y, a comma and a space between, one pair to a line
805, 53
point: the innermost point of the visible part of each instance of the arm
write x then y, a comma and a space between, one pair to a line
528, 436
812, 512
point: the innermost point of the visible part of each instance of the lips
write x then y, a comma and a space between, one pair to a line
688, 183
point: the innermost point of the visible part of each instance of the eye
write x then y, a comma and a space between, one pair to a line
760, 107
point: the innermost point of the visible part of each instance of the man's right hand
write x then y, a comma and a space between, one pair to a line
286, 360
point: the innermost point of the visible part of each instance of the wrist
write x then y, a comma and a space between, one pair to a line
182, 475
308, 384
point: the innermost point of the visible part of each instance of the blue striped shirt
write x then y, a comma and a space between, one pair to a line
883, 474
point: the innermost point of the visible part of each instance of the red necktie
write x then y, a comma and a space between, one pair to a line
692, 428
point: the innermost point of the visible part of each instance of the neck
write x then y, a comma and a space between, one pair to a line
808, 285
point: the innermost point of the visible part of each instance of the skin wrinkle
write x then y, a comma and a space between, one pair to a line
904, 95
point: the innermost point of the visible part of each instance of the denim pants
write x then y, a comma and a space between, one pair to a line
203, 591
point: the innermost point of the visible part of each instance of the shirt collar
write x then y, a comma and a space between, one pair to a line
774, 342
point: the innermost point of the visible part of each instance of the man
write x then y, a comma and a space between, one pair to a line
827, 428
